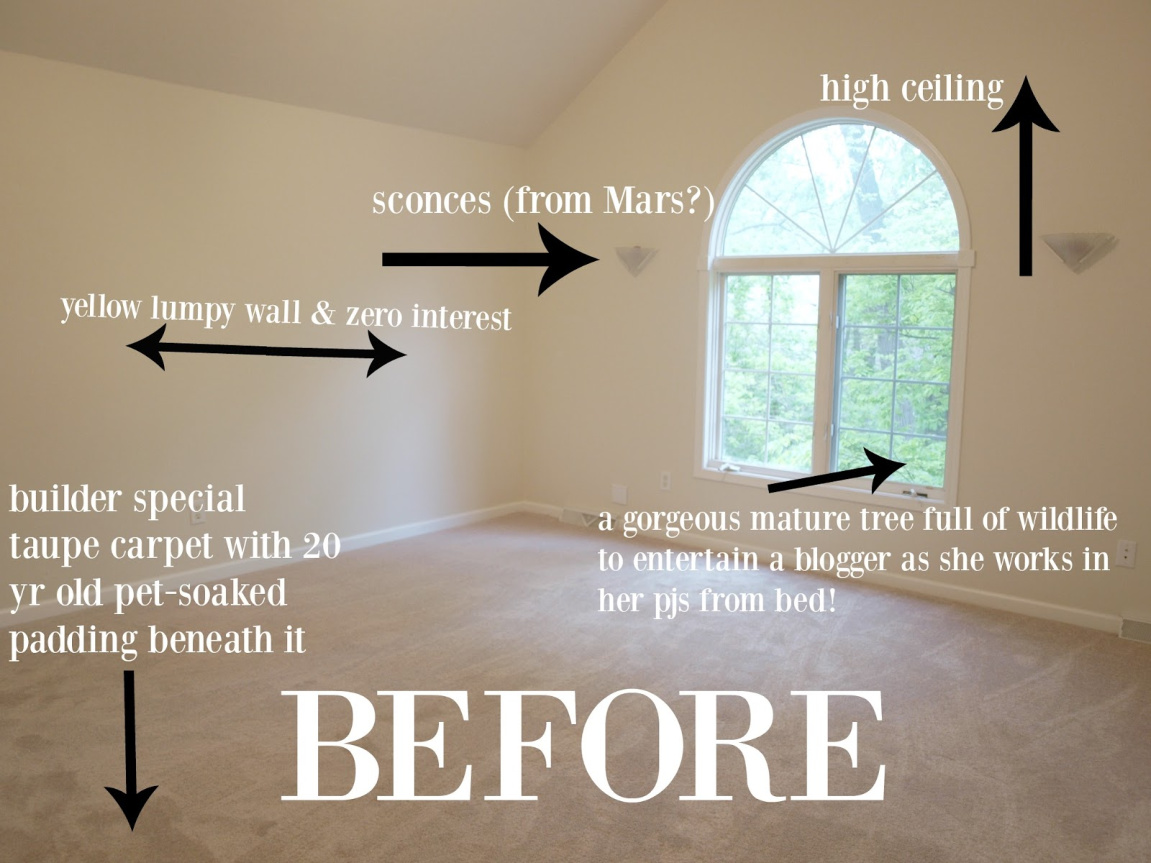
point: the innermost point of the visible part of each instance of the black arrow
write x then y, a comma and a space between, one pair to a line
880, 466
130, 800
1025, 112
150, 346
560, 259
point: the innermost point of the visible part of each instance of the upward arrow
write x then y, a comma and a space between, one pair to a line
1025, 112
130, 800
560, 259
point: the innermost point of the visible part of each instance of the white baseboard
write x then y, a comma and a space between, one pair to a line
419, 528
1000, 601
531, 506
234, 569
912, 584
238, 568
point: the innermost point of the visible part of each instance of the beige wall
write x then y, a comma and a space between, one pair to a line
118, 185
1056, 381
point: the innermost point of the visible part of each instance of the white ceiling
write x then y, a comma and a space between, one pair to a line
496, 70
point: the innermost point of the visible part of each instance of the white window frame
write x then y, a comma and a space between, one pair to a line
830, 268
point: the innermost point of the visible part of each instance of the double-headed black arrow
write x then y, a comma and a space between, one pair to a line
1025, 112
880, 466
560, 259
130, 800
153, 348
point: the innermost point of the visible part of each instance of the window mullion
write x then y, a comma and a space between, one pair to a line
822, 440
895, 362
717, 311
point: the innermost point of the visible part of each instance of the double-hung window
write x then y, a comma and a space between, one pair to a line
836, 308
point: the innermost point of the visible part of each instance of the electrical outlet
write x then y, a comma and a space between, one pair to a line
1126, 556
619, 494
665, 480
198, 517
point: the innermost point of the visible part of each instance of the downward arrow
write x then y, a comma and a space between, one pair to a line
1025, 112
130, 800
560, 259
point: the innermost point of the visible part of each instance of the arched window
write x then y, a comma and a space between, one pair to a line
838, 274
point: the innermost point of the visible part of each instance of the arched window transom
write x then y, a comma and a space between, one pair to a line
837, 287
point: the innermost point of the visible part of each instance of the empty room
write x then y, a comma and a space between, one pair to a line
623, 430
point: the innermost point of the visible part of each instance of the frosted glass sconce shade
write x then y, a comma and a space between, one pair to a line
1080, 251
634, 258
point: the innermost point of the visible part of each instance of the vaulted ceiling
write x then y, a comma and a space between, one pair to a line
496, 70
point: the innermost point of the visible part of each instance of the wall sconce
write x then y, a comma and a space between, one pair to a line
1080, 251
634, 258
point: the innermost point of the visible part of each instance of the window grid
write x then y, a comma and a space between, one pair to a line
886, 375
773, 421
815, 187
899, 332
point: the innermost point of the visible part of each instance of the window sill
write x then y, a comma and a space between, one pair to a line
847, 492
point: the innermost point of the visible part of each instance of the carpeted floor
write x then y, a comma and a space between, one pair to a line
1003, 738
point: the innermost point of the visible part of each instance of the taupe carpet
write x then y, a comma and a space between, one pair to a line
1004, 738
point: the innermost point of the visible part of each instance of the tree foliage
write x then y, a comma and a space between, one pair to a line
893, 365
